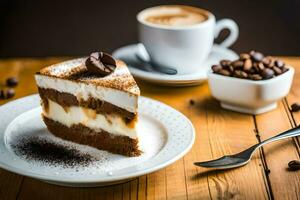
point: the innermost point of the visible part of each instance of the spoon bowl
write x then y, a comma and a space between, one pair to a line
242, 158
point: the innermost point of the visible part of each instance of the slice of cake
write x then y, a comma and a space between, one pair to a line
91, 101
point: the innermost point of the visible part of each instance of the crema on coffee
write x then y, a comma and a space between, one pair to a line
175, 15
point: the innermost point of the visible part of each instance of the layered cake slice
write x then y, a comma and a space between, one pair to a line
91, 101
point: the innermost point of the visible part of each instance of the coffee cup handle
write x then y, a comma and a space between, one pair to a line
233, 28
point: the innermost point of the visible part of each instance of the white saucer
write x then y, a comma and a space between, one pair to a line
166, 136
127, 53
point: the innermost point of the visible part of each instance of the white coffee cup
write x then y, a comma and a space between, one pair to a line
183, 48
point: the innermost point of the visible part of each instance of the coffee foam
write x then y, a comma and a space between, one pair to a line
175, 15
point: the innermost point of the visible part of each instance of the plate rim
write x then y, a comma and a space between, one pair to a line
108, 178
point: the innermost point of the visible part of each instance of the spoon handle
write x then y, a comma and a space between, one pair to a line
162, 69
287, 134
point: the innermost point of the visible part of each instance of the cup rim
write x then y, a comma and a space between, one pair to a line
140, 19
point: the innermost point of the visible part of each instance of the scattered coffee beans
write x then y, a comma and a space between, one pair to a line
254, 66
2, 96
294, 165
12, 82
192, 102
9, 93
295, 107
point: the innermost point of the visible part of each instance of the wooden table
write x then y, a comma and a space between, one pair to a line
218, 131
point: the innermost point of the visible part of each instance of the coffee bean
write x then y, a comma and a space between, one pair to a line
224, 72
9, 93
255, 77
294, 165
279, 63
225, 63
244, 74
192, 102
240, 74
284, 69
100, 63
238, 64
295, 107
12, 82
267, 60
261, 66
277, 70
256, 56
216, 68
231, 68
252, 71
271, 64
267, 73
247, 65
2, 96
244, 56
255, 67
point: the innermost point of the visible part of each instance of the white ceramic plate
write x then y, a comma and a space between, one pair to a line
166, 136
127, 53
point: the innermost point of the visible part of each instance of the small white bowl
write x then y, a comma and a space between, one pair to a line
248, 96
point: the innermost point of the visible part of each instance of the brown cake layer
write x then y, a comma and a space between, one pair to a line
102, 107
101, 140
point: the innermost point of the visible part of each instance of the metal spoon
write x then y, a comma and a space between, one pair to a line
242, 158
143, 57
154, 67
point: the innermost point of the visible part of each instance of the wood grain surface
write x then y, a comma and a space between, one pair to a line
218, 132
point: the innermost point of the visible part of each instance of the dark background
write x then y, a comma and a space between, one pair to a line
72, 28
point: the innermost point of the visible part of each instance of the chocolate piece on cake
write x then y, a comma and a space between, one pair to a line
87, 108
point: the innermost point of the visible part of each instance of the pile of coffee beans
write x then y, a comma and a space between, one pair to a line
9, 92
253, 65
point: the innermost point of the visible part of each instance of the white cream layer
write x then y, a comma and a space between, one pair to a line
84, 91
75, 115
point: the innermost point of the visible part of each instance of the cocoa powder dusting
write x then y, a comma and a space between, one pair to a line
50, 152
